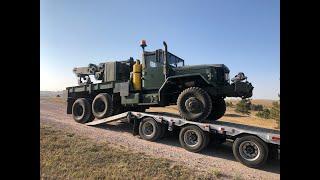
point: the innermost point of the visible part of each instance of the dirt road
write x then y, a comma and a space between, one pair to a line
119, 135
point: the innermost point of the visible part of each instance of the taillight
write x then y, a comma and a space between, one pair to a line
275, 138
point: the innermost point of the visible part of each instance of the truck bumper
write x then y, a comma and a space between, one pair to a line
239, 89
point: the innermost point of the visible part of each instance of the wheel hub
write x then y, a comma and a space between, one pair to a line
99, 106
78, 110
191, 138
193, 105
249, 150
148, 128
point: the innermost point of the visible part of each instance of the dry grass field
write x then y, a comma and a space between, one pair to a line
65, 155
264, 102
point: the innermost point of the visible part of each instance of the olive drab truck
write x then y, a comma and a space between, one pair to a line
160, 79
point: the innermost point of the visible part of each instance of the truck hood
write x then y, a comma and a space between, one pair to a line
199, 67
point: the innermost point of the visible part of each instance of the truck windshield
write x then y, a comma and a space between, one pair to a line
156, 59
175, 61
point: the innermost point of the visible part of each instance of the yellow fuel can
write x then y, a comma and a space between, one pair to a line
136, 79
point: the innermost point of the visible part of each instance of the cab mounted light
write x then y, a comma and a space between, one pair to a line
143, 44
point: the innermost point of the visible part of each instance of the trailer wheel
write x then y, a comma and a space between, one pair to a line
250, 151
193, 139
81, 111
194, 104
149, 129
102, 106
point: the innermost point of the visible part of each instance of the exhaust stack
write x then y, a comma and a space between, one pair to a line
165, 66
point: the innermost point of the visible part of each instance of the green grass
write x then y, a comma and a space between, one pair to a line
64, 155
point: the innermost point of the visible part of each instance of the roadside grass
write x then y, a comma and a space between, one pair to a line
237, 177
64, 155
217, 173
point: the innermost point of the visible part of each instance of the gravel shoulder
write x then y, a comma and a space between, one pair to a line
119, 135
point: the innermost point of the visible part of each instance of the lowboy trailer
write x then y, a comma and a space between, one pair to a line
252, 146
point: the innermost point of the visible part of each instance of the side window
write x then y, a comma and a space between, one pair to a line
151, 61
153, 64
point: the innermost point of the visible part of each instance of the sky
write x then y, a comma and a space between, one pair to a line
242, 34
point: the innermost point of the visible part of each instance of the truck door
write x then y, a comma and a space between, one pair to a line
152, 71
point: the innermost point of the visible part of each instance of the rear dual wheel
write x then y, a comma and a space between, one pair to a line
102, 106
81, 111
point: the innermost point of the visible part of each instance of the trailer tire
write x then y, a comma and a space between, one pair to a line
250, 151
149, 129
194, 104
81, 111
102, 106
193, 139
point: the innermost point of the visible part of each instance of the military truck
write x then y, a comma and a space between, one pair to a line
161, 79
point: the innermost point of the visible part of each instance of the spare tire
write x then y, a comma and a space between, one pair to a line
102, 106
81, 111
194, 104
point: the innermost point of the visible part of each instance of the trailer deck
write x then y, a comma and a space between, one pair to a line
231, 131
221, 127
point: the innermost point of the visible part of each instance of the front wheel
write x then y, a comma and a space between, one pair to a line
194, 104
218, 109
250, 151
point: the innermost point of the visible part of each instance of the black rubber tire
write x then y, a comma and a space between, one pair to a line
156, 129
218, 109
261, 157
202, 137
81, 111
102, 106
91, 117
199, 94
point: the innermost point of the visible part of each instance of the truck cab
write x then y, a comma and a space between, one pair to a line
153, 65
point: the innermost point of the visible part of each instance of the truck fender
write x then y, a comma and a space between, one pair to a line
170, 78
